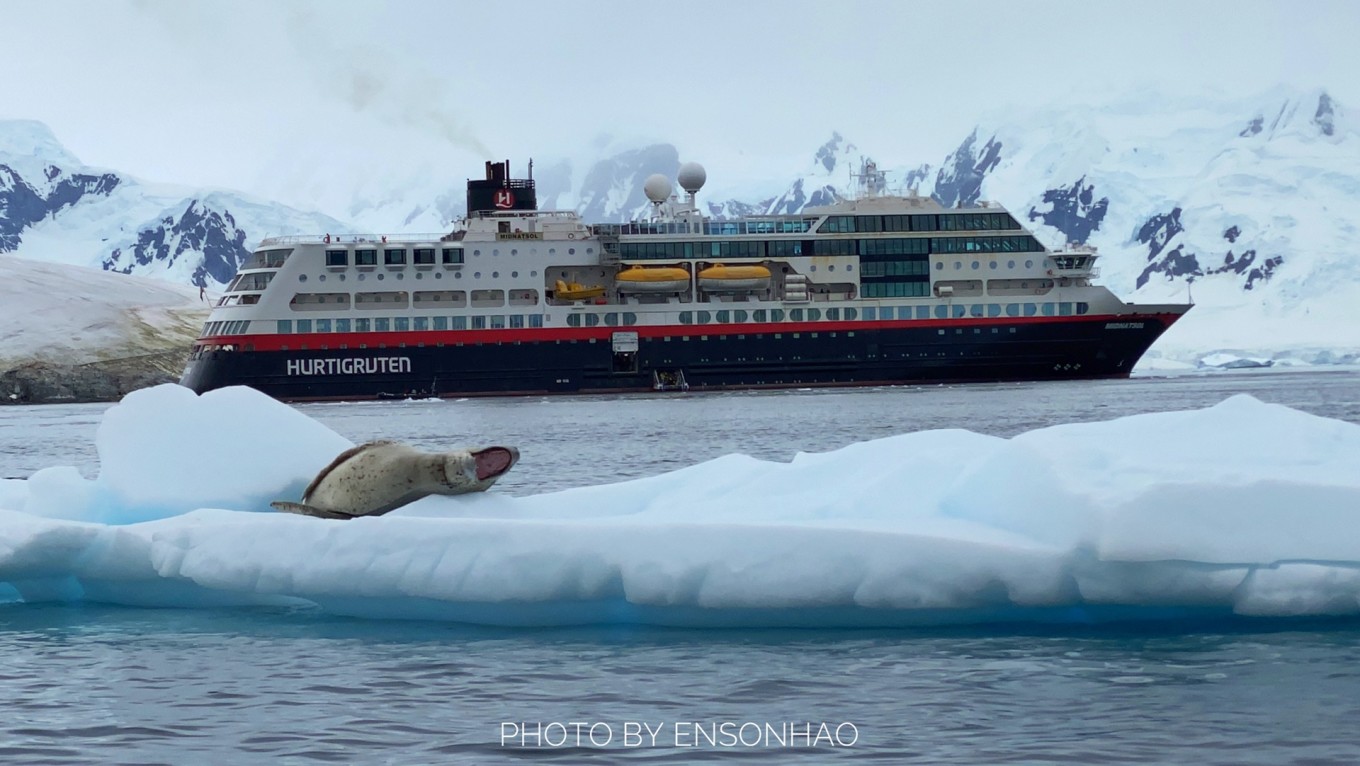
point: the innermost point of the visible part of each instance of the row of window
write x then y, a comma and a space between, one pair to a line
255, 281
895, 289
1016, 244
419, 299
942, 311
404, 324
970, 221
226, 328
675, 251
710, 228
897, 268
268, 259
395, 256
628, 318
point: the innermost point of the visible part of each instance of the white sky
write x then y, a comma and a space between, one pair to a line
216, 92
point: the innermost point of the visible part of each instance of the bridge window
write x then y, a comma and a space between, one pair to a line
452, 255
838, 224
285, 326
337, 258
423, 256
366, 257
382, 324
342, 325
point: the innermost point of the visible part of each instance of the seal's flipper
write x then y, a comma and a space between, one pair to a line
306, 510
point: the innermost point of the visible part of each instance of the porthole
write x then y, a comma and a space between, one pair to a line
477, 252
975, 265
400, 275
533, 273
514, 252
439, 275
342, 277
1029, 264
419, 275
832, 267
361, 277
496, 251
589, 250
571, 251
495, 275
958, 265
321, 278
302, 277
381, 277
457, 275
939, 265
514, 274
850, 267
814, 267
1010, 264
992, 264
476, 275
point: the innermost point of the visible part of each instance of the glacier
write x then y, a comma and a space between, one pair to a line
1241, 510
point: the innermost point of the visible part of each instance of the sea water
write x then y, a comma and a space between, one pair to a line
99, 684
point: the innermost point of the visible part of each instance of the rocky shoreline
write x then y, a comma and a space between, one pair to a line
105, 380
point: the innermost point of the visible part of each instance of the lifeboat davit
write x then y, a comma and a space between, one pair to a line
652, 279
721, 278
575, 291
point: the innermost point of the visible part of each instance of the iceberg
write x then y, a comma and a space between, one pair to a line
1239, 510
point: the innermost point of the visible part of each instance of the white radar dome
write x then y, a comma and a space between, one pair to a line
692, 177
657, 187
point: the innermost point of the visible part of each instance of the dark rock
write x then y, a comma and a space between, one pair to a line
1073, 210
1325, 116
103, 381
959, 182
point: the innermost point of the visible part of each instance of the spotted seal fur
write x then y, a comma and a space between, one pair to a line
380, 476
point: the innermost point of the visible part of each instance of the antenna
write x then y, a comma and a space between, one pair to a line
871, 181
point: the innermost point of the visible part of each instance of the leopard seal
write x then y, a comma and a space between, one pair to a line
379, 476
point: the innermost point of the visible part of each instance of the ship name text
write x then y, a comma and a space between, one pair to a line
1123, 325
520, 235
338, 366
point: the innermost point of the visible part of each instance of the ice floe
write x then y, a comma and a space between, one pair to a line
1240, 509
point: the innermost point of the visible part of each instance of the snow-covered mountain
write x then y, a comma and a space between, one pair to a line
1250, 206
54, 208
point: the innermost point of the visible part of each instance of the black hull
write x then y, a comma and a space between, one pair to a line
977, 350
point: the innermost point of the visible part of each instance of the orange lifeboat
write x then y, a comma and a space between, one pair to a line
652, 279
575, 291
721, 278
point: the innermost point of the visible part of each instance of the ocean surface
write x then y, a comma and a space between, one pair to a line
94, 684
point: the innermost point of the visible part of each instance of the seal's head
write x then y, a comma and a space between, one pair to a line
478, 469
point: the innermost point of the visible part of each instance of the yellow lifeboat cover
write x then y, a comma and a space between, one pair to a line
653, 274
721, 271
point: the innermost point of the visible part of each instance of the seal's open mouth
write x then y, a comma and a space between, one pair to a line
493, 461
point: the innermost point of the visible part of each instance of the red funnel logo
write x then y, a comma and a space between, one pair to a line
504, 199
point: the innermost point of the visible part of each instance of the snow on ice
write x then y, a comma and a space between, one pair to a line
1244, 508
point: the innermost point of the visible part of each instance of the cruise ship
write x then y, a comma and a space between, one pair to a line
876, 290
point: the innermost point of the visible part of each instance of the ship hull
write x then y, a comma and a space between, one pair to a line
636, 359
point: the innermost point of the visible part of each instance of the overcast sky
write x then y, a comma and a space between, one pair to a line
209, 92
